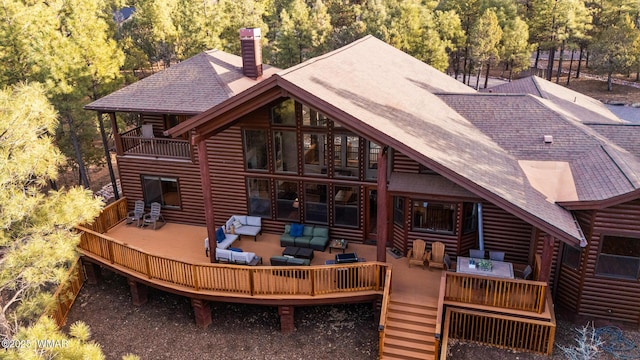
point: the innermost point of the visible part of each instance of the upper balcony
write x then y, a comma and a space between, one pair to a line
134, 142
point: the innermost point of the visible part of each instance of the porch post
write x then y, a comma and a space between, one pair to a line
138, 292
107, 154
382, 215
547, 257
93, 272
202, 312
286, 318
208, 199
116, 134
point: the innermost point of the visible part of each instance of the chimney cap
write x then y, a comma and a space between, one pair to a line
250, 33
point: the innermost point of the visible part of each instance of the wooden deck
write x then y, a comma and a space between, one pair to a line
186, 243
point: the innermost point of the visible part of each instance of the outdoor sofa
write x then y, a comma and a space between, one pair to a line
305, 236
223, 240
288, 261
236, 257
245, 225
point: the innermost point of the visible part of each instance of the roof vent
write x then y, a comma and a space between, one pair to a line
251, 52
548, 139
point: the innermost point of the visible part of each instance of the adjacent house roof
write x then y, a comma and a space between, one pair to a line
584, 108
189, 87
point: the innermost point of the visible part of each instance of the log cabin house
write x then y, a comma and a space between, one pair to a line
383, 149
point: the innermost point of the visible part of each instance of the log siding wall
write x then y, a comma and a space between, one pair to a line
607, 297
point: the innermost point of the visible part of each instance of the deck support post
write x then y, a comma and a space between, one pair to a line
382, 215
138, 292
377, 307
205, 178
202, 311
547, 258
93, 272
286, 318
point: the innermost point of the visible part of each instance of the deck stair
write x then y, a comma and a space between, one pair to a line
410, 329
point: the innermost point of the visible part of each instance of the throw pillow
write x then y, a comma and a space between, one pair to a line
297, 230
220, 236
237, 224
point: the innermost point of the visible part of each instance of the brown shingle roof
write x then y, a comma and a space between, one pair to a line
384, 89
189, 87
580, 106
518, 124
625, 135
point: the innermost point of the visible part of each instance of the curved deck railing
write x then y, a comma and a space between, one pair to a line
234, 280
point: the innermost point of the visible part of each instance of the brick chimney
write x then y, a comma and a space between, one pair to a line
251, 52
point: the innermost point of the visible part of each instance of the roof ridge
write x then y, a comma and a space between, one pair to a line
224, 85
543, 94
323, 56
622, 165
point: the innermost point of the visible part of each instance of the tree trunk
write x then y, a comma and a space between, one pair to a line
570, 66
486, 77
535, 65
456, 66
84, 180
579, 62
105, 144
559, 73
464, 66
610, 81
550, 59
510, 71
478, 77
586, 61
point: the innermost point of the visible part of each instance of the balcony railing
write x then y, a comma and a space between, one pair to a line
133, 143
511, 294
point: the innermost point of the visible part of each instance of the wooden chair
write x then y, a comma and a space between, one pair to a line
137, 213
154, 216
476, 254
417, 255
496, 255
436, 259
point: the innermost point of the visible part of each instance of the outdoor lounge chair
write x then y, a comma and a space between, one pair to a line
154, 216
476, 254
448, 264
137, 213
436, 259
496, 255
526, 272
417, 255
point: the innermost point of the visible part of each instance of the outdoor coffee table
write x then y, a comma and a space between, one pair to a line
297, 252
338, 245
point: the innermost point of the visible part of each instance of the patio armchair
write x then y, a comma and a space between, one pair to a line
496, 255
436, 259
448, 264
154, 216
417, 255
136, 214
476, 254
526, 272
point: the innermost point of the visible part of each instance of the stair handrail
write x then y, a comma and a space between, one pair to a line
439, 315
386, 295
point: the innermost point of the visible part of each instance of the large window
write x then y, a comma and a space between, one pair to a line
469, 217
373, 151
288, 201
346, 155
434, 216
346, 205
619, 257
315, 149
285, 151
284, 113
259, 197
315, 203
163, 190
313, 118
398, 210
255, 149
571, 257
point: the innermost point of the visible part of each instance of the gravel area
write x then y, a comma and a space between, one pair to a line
164, 328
